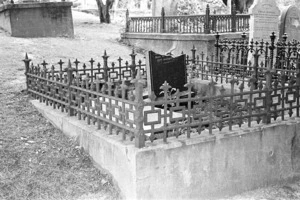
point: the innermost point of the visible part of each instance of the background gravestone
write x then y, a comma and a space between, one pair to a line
162, 68
290, 23
264, 19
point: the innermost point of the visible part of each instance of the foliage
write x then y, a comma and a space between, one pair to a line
194, 7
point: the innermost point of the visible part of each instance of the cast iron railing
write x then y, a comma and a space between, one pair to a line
118, 105
188, 23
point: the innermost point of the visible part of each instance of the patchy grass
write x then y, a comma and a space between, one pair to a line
39, 162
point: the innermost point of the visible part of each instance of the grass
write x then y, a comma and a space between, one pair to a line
39, 162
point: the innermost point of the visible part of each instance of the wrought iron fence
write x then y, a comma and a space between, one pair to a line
188, 23
257, 93
99, 95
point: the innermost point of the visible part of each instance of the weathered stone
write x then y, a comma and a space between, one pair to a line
202, 167
264, 19
50, 19
290, 23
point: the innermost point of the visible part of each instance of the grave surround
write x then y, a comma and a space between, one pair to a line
203, 167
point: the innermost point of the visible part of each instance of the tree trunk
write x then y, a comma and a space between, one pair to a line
103, 9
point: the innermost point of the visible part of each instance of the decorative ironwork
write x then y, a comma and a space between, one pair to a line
98, 95
255, 92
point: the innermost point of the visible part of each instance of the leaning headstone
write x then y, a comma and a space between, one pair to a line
290, 23
161, 68
264, 19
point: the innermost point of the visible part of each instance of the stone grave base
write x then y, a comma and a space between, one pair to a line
49, 19
163, 43
205, 166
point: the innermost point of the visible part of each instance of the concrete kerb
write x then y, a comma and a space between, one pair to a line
99, 145
204, 166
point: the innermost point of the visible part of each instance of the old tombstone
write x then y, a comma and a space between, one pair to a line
290, 23
161, 68
264, 19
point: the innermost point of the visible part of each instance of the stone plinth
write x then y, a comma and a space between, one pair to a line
202, 167
51, 19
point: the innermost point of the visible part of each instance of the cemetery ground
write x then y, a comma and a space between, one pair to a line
36, 160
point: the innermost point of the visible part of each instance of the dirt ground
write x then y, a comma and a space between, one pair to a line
36, 160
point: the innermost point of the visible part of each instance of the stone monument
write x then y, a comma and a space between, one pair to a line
290, 23
264, 19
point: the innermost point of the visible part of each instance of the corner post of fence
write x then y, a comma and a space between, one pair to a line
69, 83
105, 66
207, 20
27, 64
127, 21
193, 54
133, 64
139, 135
268, 74
233, 18
163, 22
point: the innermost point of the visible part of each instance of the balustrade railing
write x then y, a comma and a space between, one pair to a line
207, 23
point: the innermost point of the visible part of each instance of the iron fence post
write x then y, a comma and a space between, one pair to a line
105, 57
139, 111
162, 24
27, 63
127, 21
255, 68
272, 48
207, 20
233, 18
69, 83
268, 88
133, 65
193, 54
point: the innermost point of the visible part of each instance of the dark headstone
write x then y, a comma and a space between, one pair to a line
161, 68
290, 23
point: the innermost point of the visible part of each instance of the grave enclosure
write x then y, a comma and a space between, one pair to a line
142, 141
237, 132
